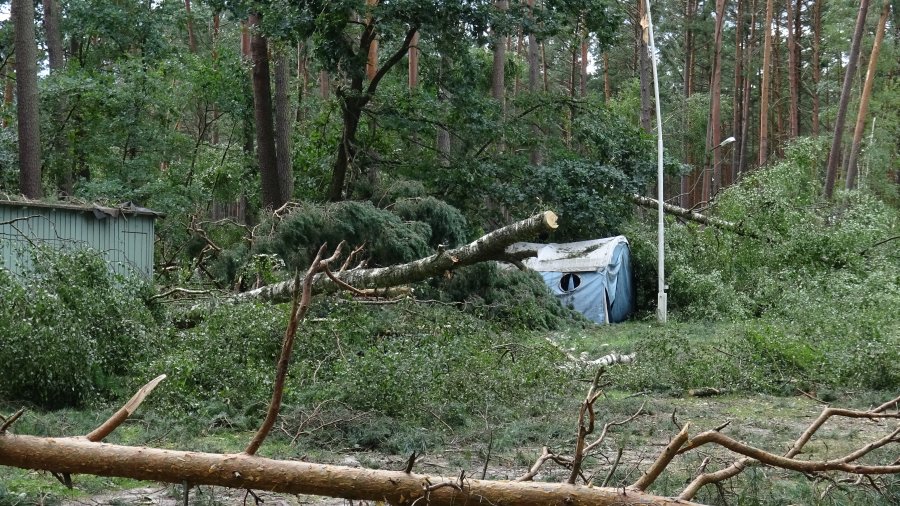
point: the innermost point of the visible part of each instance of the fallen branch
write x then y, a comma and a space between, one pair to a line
302, 298
690, 215
124, 412
739, 465
489, 247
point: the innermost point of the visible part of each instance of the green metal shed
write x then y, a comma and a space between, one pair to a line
123, 235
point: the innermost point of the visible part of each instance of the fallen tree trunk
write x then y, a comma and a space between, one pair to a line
688, 214
78, 455
489, 247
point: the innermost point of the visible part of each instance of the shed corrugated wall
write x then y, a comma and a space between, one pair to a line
124, 241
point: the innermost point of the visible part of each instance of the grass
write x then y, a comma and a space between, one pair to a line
452, 438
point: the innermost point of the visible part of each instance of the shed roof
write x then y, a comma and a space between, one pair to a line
583, 256
127, 208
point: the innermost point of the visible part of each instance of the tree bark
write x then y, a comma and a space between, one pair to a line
584, 66
816, 64
607, 88
776, 136
353, 101
745, 121
414, 62
835, 153
56, 57
192, 39
283, 126
324, 85
536, 157
372, 57
852, 168
688, 214
489, 247
498, 74
27, 107
793, 35
738, 103
262, 113
80, 456
764, 89
712, 177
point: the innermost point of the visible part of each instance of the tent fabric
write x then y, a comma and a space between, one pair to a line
591, 277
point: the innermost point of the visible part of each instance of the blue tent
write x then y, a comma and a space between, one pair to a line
591, 277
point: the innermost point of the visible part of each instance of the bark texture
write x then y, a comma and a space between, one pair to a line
834, 155
852, 168
283, 126
73, 455
489, 247
27, 107
262, 113
764, 88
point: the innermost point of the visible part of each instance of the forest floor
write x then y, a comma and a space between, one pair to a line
508, 446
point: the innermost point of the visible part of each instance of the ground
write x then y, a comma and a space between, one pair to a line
510, 446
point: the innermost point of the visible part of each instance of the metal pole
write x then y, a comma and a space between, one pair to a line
661, 299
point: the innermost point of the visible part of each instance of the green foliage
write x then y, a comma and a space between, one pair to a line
509, 297
388, 239
397, 362
70, 328
447, 224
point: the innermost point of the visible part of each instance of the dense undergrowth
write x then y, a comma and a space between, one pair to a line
807, 300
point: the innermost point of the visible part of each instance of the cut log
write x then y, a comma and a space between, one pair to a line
489, 247
689, 214
72, 455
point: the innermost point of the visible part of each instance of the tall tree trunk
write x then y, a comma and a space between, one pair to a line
414, 63
272, 196
713, 175
302, 79
764, 88
835, 153
27, 110
245, 40
584, 65
324, 85
607, 89
686, 194
498, 74
53, 34
9, 84
352, 102
372, 59
192, 39
738, 103
689, 13
745, 106
644, 70
534, 70
214, 130
546, 66
816, 65
793, 35
852, 168
777, 135
283, 125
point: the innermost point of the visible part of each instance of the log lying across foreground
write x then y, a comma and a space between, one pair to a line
488, 247
80, 456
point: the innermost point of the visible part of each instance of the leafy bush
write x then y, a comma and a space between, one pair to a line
69, 329
512, 298
395, 361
